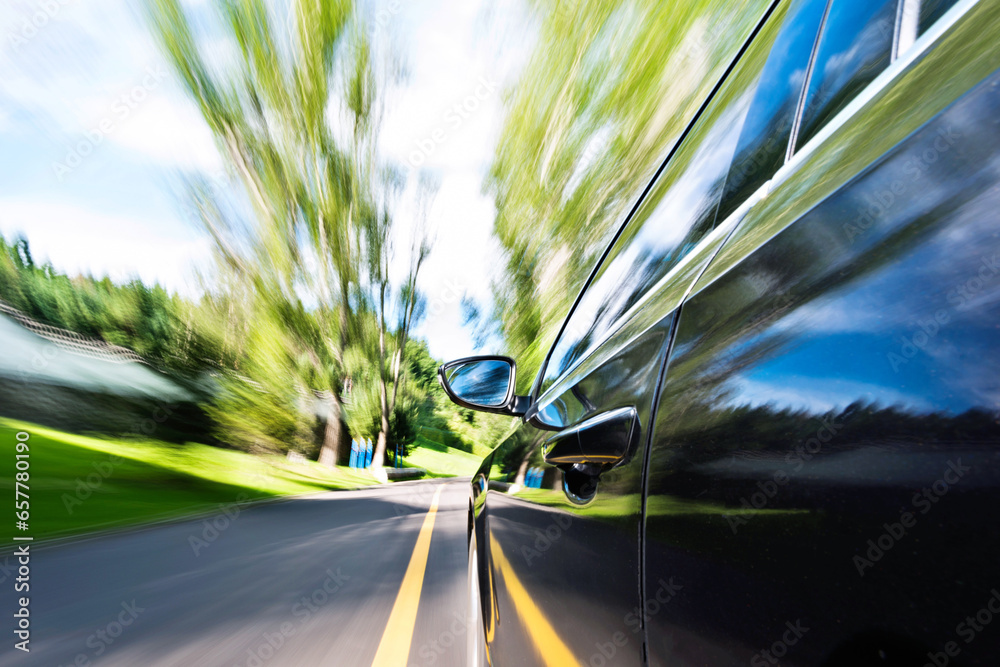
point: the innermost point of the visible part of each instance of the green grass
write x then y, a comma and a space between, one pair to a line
79, 484
440, 460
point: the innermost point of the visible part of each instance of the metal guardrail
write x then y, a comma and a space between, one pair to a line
397, 474
73, 342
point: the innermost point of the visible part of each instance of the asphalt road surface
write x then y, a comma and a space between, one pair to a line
329, 580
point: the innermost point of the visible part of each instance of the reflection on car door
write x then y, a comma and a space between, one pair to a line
562, 570
562, 582
824, 475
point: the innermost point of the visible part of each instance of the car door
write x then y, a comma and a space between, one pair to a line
823, 476
557, 520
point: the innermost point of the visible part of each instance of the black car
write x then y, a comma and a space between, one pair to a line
768, 430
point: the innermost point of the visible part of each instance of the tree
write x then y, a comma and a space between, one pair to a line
268, 113
408, 310
607, 91
320, 203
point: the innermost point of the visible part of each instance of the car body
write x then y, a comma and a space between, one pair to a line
768, 430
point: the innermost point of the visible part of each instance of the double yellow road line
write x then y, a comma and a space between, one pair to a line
394, 648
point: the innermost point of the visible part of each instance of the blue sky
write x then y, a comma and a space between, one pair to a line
96, 135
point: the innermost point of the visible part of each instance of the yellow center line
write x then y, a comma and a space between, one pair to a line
394, 648
548, 644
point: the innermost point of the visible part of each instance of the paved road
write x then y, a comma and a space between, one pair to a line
300, 583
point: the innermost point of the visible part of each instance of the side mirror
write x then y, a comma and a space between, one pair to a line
483, 383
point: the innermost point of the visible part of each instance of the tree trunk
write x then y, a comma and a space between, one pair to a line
522, 470
411, 304
329, 453
378, 456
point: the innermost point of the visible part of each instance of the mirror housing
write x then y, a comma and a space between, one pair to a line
483, 383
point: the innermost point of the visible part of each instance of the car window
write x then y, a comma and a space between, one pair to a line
763, 143
931, 11
679, 210
855, 47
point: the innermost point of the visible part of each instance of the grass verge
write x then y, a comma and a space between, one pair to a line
440, 460
79, 484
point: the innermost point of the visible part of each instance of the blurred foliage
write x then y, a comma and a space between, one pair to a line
296, 197
251, 354
425, 416
607, 92
301, 323
171, 332
296, 116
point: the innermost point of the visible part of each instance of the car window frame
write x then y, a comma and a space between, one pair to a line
901, 60
897, 69
534, 394
905, 46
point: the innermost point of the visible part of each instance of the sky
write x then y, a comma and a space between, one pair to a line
96, 137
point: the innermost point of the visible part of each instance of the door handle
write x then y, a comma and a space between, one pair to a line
601, 442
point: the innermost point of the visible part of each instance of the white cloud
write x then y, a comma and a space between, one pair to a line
446, 127
461, 263
447, 115
69, 77
446, 118
73, 80
817, 394
171, 133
